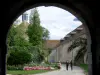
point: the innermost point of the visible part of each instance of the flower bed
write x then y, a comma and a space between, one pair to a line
36, 68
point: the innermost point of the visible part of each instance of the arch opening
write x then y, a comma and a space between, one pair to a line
74, 13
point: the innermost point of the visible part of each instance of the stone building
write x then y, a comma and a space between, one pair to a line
60, 52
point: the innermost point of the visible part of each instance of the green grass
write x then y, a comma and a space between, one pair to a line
26, 72
84, 66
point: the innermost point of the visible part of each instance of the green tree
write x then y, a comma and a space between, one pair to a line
12, 32
36, 53
37, 35
10, 40
15, 38
20, 41
35, 31
45, 51
45, 34
81, 43
21, 38
21, 30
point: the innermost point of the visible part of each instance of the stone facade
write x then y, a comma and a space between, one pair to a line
60, 52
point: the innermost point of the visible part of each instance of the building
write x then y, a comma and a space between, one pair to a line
51, 44
24, 17
60, 52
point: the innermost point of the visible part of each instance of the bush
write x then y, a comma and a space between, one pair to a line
37, 56
54, 65
33, 64
18, 67
18, 57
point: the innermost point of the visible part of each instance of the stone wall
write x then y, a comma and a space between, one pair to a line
61, 53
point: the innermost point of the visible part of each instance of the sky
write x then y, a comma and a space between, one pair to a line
58, 21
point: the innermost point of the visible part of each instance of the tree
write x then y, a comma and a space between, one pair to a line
21, 29
21, 38
45, 34
12, 32
34, 29
37, 35
15, 38
10, 40
45, 51
20, 41
36, 53
81, 43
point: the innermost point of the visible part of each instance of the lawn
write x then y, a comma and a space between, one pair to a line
84, 66
26, 72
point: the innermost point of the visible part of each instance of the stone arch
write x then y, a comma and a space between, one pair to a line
81, 10
75, 12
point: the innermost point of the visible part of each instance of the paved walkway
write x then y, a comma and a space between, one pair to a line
76, 71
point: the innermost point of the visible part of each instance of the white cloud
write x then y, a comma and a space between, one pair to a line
58, 21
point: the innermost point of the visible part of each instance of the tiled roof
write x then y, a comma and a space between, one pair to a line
51, 43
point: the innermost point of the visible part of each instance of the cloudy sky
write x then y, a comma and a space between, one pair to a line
58, 21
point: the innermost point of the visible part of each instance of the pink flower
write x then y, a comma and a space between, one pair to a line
36, 68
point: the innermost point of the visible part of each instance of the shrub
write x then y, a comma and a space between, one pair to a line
19, 57
13, 67
37, 56
32, 64
54, 65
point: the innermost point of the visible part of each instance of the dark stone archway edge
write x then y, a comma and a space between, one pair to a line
87, 9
